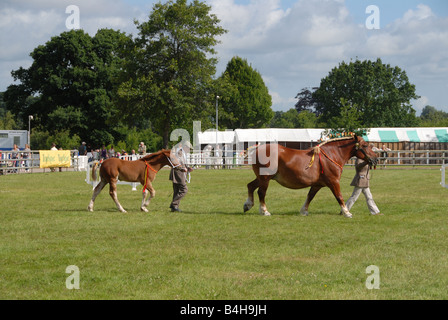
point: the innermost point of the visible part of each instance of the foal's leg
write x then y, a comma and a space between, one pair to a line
261, 195
309, 198
250, 200
113, 193
338, 195
96, 192
152, 193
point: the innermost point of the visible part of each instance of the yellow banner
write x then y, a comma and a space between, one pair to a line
54, 159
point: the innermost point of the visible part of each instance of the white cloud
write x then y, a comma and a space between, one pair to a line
292, 48
420, 104
297, 47
25, 24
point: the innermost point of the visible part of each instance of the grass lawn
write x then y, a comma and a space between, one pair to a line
214, 251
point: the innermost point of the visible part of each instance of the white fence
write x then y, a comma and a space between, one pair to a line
29, 162
443, 183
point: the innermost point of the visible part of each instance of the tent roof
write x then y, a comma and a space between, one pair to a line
280, 135
313, 135
209, 137
407, 135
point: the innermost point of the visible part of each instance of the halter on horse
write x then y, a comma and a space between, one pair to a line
143, 170
297, 169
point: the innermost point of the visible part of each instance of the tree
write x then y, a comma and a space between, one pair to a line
168, 75
306, 101
380, 93
249, 102
294, 119
431, 117
69, 86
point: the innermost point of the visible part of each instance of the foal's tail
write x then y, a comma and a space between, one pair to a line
94, 168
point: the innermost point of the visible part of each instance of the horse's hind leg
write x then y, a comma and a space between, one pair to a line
309, 198
251, 187
96, 192
113, 194
264, 184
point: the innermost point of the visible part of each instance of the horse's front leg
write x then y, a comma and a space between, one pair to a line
145, 202
336, 189
309, 198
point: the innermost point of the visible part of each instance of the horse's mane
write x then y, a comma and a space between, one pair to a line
316, 149
153, 155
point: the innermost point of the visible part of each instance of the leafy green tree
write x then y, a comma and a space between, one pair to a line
42, 140
167, 78
69, 85
294, 119
249, 103
8, 122
431, 117
381, 94
306, 101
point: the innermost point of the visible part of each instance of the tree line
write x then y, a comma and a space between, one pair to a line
115, 88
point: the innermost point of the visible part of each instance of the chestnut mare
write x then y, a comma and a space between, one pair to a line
143, 170
317, 167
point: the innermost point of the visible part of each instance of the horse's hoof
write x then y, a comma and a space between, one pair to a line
246, 208
144, 209
89, 209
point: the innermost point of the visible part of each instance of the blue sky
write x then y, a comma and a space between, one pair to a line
292, 43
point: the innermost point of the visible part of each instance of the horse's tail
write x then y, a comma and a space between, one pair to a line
95, 165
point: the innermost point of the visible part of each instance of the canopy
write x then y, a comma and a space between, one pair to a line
313, 135
407, 135
277, 135
209, 137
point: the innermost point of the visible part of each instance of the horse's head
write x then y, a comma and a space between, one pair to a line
175, 159
364, 151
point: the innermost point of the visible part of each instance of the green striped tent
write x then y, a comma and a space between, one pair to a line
391, 135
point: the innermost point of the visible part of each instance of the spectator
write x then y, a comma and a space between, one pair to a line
82, 150
26, 155
142, 149
15, 155
103, 153
111, 152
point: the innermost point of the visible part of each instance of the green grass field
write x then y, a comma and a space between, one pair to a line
214, 251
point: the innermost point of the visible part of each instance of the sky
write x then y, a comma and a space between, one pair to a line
293, 44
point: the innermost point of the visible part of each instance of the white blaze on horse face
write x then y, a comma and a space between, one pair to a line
271, 161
